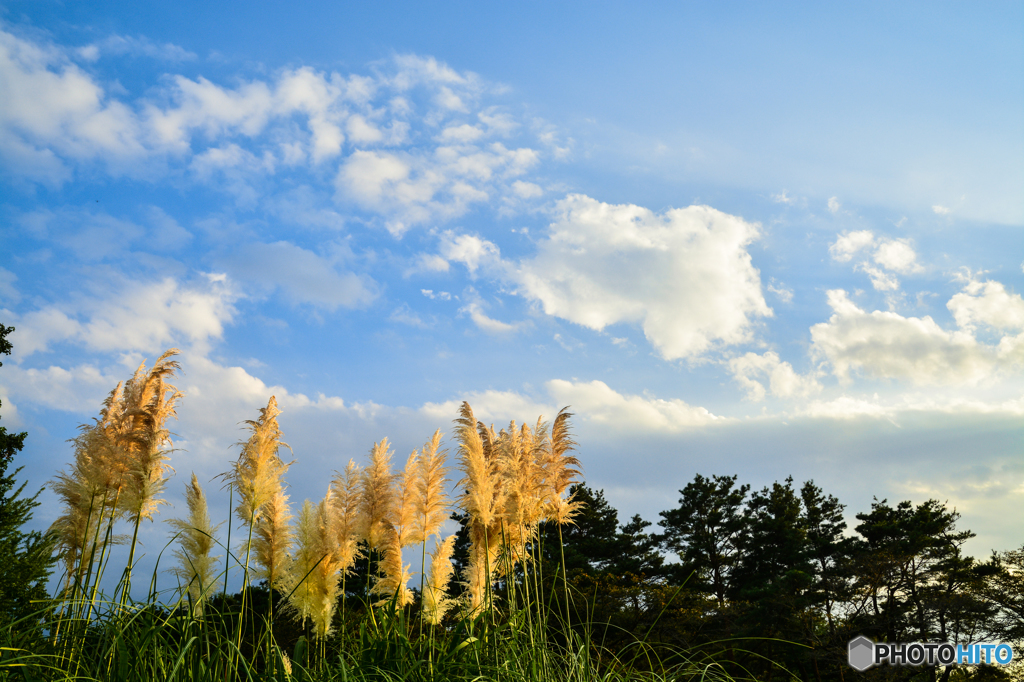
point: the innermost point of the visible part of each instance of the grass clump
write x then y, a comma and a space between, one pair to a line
326, 595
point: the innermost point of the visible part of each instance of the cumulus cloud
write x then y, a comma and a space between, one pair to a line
80, 388
684, 275
752, 371
472, 251
411, 188
880, 279
407, 152
596, 402
897, 255
848, 244
888, 345
834, 205
886, 257
988, 304
593, 402
526, 190
53, 109
137, 317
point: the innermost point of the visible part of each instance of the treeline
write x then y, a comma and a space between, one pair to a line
770, 579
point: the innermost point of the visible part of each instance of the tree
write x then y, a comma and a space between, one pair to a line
828, 548
1005, 591
590, 541
637, 551
703, 531
913, 582
26, 558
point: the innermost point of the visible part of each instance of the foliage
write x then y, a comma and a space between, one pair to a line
25, 557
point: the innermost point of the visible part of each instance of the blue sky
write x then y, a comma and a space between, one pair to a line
763, 240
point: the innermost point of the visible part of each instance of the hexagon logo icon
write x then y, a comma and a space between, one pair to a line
861, 653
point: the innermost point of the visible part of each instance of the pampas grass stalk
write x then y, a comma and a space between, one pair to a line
436, 603
376, 502
560, 470
195, 535
377, 495
345, 497
257, 476
403, 513
148, 402
432, 504
483, 499
392, 585
313, 575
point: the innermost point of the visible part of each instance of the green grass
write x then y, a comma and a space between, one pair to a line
103, 638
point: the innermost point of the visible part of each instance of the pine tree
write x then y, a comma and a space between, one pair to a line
26, 557
704, 529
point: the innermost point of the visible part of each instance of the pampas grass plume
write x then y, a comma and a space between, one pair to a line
436, 602
377, 495
432, 503
345, 497
393, 583
195, 537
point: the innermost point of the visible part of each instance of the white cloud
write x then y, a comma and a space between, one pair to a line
892, 255
941, 210
684, 275
592, 402
783, 381
472, 251
138, 46
526, 190
888, 345
783, 198
880, 279
137, 317
439, 295
57, 113
848, 244
987, 303
413, 188
51, 108
596, 402
493, 407
834, 205
784, 293
845, 407
76, 389
428, 262
464, 133
488, 324
897, 255
893, 409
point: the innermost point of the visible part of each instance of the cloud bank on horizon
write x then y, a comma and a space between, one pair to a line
373, 247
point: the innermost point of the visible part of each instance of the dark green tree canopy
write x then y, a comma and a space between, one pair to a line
26, 558
704, 529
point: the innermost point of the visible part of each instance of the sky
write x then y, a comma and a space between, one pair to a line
763, 240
